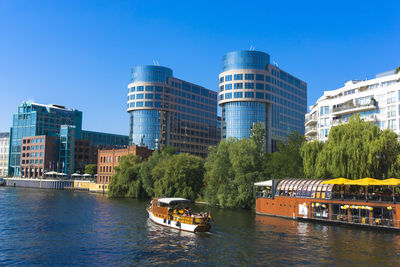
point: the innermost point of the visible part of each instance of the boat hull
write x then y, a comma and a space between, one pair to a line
180, 226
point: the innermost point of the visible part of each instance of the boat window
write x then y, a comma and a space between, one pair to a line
278, 188
328, 193
301, 186
309, 189
295, 187
318, 190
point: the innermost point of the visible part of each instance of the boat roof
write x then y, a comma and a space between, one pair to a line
173, 200
264, 183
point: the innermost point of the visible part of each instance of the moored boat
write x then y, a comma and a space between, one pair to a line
365, 202
176, 213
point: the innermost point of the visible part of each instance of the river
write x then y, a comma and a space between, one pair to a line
48, 227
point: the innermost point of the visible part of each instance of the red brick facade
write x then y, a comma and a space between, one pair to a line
107, 160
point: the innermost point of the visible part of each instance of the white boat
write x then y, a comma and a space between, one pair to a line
175, 213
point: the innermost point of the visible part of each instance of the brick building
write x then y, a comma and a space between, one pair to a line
39, 154
107, 160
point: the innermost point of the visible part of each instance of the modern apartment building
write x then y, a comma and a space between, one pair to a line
376, 100
165, 110
4, 145
33, 119
252, 90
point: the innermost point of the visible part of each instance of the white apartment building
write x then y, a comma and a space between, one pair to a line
4, 145
375, 100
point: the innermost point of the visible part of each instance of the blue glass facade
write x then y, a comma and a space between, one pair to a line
248, 77
240, 117
245, 60
173, 111
34, 119
146, 127
151, 74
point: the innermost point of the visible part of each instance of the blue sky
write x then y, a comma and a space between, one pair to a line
80, 53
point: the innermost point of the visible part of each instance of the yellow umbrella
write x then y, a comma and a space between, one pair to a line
339, 181
365, 182
391, 181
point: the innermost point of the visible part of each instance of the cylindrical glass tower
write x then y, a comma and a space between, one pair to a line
145, 105
242, 93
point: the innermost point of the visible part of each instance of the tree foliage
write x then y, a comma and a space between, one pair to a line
231, 170
126, 181
179, 175
91, 169
354, 150
287, 161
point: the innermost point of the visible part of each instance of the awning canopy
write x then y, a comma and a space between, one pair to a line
364, 182
339, 181
173, 200
391, 181
264, 183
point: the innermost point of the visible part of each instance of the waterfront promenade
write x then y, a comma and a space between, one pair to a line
56, 227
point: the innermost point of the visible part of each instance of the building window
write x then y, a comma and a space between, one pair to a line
132, 89
249, 94
148, 104
140, 89
139, 96
149, 96
249, 76
260, 86
158, 89
221, 80
238, 77
238, 95
228, 95
260, 95
228, 86
238, 86
221, 97
228, 78
149, 88
139, 104
221, 88
249, 85
259, 77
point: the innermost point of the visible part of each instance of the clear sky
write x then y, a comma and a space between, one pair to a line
80, 53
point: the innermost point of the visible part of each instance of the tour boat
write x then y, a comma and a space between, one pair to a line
366, 202
175, 213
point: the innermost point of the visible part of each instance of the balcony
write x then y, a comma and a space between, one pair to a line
311, 119
350, 108
311, 131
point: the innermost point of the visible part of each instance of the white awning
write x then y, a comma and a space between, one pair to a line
172, 200
264, 183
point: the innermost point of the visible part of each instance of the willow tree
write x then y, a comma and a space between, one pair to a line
356, 150
309, 152
231, 170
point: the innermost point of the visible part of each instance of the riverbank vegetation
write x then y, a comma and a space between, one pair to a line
354, 150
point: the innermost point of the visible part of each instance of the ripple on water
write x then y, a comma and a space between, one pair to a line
43, 227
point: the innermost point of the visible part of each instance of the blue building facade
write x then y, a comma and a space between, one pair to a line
33, 119
252, 90
168, 111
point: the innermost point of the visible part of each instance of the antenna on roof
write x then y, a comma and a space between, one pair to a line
155, 62
276, 64
252, 48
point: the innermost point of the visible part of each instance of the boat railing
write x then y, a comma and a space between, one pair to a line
362, 220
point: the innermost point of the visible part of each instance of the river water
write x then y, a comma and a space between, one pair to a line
45, 227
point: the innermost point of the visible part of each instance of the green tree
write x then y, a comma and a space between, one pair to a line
309, 152
354, 150
179, 175
397, 70
231, 170
91, 169
126, 181
287, 161
257, 133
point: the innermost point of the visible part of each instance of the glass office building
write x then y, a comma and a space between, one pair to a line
252, 90
165, 110
33, 119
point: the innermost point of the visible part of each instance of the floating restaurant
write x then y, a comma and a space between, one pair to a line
367, 201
